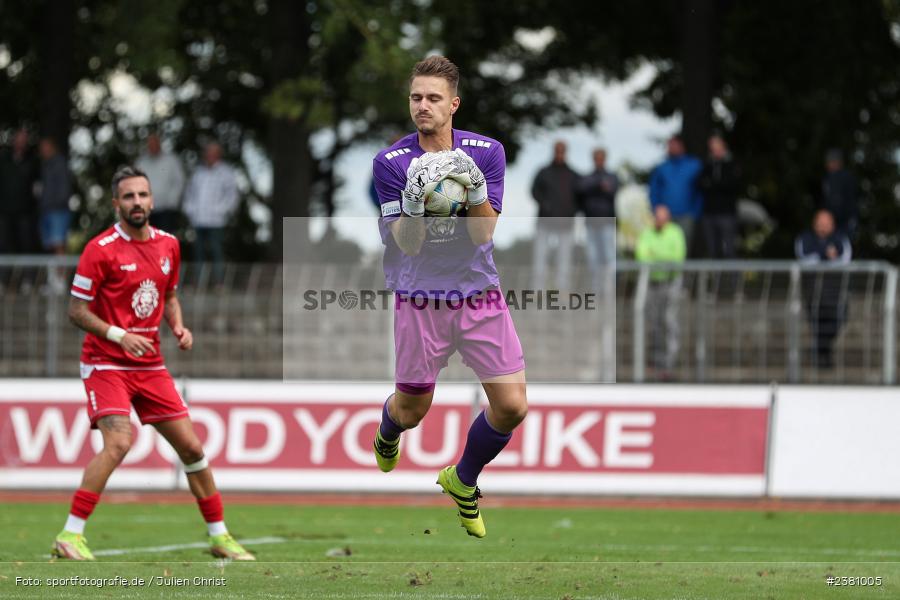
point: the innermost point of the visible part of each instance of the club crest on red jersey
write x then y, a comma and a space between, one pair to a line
145, 299
165, 265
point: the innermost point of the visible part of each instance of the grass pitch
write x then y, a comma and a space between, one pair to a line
421, 552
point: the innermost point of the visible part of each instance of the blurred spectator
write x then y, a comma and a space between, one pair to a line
674, 184
840, 193
826, 305
720, 183
166, 177
56, 190
554, 191
210, 199
597, 193
664, 242
18, 175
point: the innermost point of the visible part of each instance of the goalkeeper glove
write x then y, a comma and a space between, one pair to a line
422, 177
467, 173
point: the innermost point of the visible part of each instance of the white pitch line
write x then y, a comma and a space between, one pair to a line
170, 547
751, 549
874, 552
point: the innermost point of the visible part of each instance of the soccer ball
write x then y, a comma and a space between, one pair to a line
449, 198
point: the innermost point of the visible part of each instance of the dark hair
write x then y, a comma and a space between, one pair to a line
437, 66
123, 173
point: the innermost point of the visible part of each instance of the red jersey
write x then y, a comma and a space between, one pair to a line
126, 281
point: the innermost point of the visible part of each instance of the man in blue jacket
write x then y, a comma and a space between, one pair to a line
674, 184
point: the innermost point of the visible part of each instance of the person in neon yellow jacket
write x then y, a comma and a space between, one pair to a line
663, 243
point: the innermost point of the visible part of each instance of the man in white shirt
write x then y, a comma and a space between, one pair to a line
166, 177
209, 201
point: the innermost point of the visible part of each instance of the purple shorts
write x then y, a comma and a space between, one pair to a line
428, 332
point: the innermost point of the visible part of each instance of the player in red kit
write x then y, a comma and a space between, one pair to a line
124, 286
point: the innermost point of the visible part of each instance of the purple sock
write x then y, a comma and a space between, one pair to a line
390, 431
482, 446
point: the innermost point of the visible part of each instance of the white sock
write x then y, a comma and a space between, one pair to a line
75, 524
217, 528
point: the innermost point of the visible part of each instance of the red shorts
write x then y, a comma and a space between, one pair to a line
114, 392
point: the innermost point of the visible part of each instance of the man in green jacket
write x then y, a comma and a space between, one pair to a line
663, 243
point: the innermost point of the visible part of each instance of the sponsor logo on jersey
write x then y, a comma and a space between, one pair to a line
165, 265
145, 299
129, 267
390, 208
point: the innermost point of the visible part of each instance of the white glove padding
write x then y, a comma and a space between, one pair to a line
467, 173
422, 176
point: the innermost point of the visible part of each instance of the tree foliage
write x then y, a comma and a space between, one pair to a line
288, 86
788, 80
800, 78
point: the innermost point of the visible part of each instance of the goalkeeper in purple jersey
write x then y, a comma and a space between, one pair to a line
450, 262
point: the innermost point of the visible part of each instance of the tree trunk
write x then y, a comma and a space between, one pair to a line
698, 48
56, 52
288, 140
291, 181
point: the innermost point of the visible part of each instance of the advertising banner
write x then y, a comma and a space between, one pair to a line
576, 439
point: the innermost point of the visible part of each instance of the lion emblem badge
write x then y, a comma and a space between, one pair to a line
145, 299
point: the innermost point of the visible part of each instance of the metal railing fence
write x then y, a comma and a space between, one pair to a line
738, 321
756, 321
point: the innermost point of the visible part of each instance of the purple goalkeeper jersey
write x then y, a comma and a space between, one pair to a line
449, 261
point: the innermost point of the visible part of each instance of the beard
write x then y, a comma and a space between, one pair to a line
427, 129
431, 126
135, 219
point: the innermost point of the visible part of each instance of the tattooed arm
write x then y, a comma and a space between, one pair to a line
81, 316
